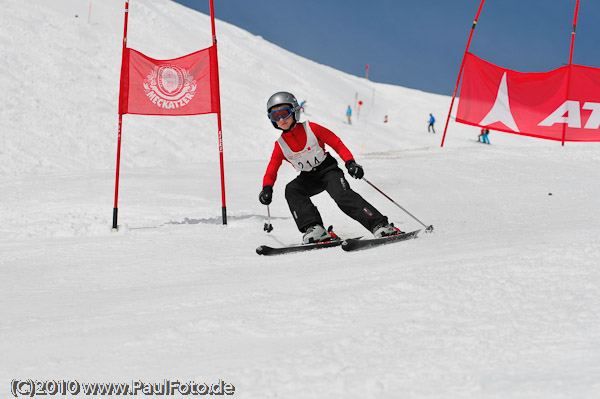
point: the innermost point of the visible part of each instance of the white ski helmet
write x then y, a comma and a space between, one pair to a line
283, 98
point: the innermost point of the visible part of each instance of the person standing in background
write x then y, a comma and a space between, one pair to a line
483, 136
431, 122
349, 115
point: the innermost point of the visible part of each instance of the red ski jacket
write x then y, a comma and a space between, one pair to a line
296, 140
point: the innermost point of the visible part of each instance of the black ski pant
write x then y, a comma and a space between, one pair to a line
329, 178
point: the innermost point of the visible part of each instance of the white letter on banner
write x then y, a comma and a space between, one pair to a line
568, 107
594, 119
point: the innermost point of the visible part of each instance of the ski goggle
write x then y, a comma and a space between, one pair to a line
283, 113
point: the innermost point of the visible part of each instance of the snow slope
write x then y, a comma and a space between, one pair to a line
501, 302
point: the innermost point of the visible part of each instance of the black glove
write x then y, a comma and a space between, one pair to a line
354, 169
266, 195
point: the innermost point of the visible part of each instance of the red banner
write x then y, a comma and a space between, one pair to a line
556, 105
183, 86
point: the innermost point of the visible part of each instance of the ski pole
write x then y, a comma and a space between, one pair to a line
428, 229
268, 227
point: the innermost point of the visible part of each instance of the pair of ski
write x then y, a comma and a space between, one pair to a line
350, 244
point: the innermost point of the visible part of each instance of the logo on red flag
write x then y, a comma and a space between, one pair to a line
170, 86
500, 112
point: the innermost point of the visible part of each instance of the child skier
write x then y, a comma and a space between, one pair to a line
303, 145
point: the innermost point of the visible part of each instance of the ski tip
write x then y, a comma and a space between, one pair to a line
260, 250
349, 244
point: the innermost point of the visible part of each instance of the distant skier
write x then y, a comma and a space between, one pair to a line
431, 122
385, 120
303, 145
303, 106
349, 115
483, 136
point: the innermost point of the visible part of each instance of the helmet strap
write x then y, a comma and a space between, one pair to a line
292, 126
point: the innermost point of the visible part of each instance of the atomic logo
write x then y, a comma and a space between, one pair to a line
501, 112
170, 87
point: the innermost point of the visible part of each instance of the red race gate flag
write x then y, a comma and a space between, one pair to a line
182, 86
545, 105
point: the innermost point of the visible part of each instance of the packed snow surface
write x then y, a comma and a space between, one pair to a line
501, 301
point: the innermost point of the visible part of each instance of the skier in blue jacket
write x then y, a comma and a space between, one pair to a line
431, 122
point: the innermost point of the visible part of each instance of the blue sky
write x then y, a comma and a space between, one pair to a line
419, 44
